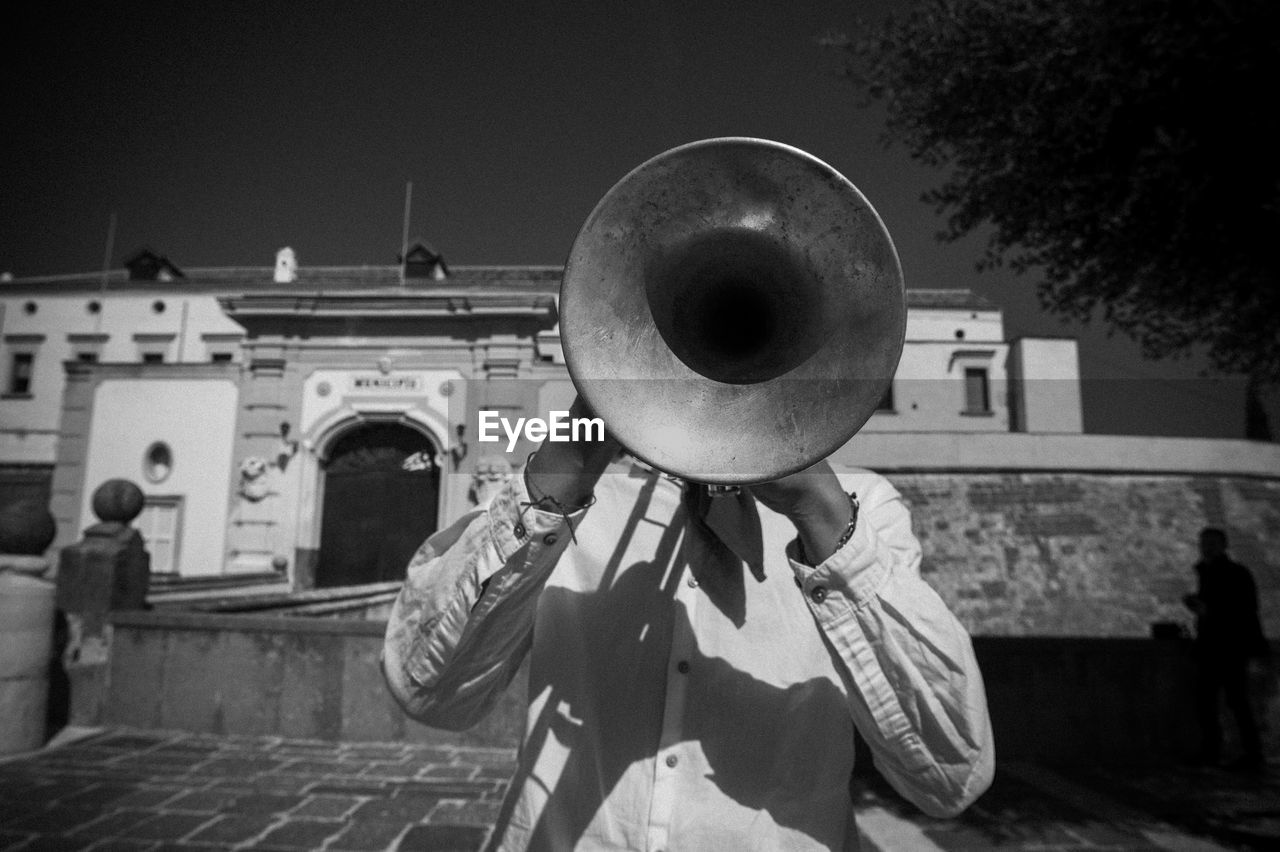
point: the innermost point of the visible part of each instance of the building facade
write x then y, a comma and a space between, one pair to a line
284, 420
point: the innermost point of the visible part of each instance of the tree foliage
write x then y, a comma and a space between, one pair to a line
1126, 151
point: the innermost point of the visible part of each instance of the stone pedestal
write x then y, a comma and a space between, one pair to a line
109, 569
26, 625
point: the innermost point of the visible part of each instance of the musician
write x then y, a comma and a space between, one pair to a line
698, 662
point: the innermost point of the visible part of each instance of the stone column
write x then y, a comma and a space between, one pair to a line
26, 625
108, 569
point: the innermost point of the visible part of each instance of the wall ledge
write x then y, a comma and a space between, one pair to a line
922, 452
220, 621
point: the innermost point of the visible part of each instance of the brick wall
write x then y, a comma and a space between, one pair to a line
1079, 554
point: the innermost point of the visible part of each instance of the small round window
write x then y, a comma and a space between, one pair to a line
158, 462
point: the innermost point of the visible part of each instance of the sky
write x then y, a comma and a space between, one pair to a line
218, 132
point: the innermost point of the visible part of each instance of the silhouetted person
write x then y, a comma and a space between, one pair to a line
1228, 634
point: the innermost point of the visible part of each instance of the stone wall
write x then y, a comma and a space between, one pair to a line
312, 678
320, 679
1085, 554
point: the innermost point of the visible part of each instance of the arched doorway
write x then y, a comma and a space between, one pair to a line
381, 493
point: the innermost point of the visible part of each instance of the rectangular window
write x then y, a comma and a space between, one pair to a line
20, 371
155, 348
977, 395
221, 347
87, 348
159, 525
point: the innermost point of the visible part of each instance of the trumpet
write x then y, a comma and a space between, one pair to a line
733, 309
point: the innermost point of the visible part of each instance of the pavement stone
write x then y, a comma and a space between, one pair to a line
326, 807
301, 834
123, 844
350, 787
369, 836
147, 797
466, 813
234, 828
203, 801
167, 826
265, 803
112, 824
152, 791
443, 838
55, 819
403, 809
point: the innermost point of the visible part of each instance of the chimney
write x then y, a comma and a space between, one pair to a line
286, 266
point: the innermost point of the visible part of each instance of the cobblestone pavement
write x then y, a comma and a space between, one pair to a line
144, 790
1030, 807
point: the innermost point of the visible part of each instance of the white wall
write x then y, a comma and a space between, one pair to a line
59, 319
196, 418
943, 324
1045, 374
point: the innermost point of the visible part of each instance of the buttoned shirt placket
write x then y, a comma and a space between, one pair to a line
673, 756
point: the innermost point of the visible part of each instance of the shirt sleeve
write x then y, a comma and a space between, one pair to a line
463, 620
916, 693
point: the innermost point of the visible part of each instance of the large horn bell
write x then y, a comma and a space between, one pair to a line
733, 309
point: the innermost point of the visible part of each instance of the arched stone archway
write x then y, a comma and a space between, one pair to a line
381, 495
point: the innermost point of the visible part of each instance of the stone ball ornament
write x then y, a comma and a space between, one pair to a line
117, 500
26, 528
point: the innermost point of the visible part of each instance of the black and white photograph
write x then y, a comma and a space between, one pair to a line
653, 426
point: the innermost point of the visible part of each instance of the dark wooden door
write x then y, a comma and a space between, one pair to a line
377, 509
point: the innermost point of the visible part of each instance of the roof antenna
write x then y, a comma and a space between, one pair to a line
106, 255
404, 235
106, 266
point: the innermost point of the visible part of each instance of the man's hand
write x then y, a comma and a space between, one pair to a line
815, 502
568, 470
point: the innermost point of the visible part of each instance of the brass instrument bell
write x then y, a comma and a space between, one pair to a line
733, 309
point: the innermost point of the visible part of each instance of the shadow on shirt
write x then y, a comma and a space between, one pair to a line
756, 757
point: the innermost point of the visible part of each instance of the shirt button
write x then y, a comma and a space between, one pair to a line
672, 760
693, 582
683, 667
518, 529
549, 539
819, 594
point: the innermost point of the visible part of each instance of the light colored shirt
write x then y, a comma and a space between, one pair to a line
657, 723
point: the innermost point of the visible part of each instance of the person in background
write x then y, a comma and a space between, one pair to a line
1228, 636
